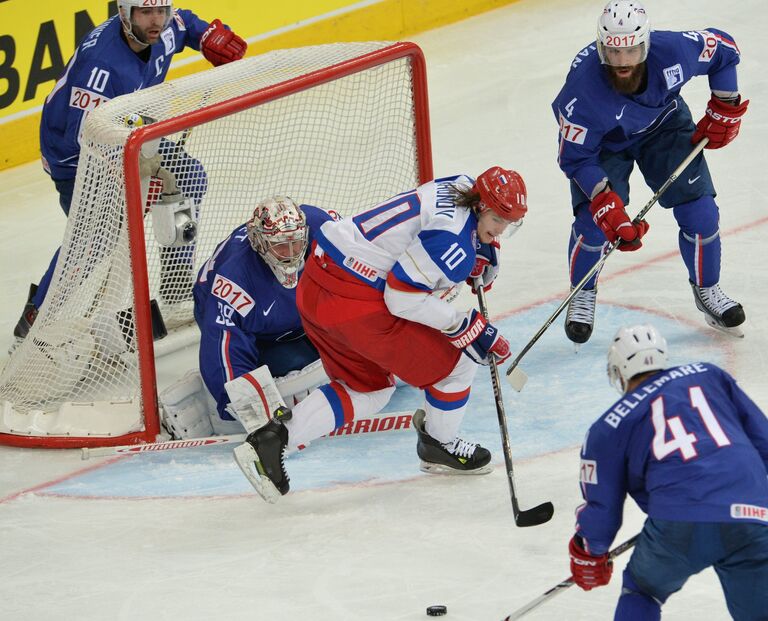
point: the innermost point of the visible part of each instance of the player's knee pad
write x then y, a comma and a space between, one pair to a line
585, 232
699, 217
296, 385
634, 605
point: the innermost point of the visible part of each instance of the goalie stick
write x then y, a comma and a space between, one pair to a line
516, 376
386, 421
543, 512
565, 584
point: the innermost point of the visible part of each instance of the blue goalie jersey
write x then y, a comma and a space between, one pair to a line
240, 305
687, 444
103, 67
593, 116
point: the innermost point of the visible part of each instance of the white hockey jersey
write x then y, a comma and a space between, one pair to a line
416, 248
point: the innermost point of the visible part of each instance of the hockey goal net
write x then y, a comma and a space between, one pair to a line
340, 126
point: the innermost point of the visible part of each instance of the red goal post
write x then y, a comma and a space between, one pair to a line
340, 126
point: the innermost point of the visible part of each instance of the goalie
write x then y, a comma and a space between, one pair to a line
245, 307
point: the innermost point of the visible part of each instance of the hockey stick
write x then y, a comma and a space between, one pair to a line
388, 421
517, 377
565, 584
543, 512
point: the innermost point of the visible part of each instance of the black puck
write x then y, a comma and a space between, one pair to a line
437, 611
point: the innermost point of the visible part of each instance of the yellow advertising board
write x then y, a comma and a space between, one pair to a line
37, 39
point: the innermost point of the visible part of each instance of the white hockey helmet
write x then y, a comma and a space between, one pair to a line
278, 232
622, 28
635, 350
125, 11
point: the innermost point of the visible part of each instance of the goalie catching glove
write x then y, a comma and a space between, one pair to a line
588, 571
479, 339
220, 45
608, 213
486, 266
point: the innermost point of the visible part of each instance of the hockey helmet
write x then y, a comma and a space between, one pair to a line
125, 11
635, 349
278, 232
623, 26
504, 192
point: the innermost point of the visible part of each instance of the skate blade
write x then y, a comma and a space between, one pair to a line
576, 347
431, 468
247, 459
735, 331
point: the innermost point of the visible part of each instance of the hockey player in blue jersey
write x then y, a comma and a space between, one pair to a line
130, 51
621, 105
251, 333
691, 449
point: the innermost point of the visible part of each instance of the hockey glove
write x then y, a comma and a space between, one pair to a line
608, 213
588, 571
486, 266
220, 45
720, 123
479, 339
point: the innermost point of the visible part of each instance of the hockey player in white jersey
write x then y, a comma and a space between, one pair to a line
130, 51
373, 298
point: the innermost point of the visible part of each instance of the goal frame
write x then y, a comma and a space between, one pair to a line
135, 216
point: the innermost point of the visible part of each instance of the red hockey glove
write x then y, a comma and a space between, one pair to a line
588, 571
486, 266
720, 123
479, 339
220, 45
608, 213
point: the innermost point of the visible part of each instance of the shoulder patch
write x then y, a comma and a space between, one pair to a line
233, 294
710, 46
572, 132
673, 75
588, 471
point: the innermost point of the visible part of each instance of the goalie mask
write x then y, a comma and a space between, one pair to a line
635, 350
278, 232
131, 29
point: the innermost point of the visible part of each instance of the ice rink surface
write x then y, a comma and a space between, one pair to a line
365, 535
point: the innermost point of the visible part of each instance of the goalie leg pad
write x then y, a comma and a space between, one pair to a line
296, 385
253, 397
186, 407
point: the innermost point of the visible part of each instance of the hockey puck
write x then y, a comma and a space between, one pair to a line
437, 611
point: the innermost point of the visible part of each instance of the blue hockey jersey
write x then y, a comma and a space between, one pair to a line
687, 444
239, 303
593, 116
103, 67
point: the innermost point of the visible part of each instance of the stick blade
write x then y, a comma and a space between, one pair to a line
538, 515
516, 378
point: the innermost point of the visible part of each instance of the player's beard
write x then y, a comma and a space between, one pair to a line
142, 35
627, 85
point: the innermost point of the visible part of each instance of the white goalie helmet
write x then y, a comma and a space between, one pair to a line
623, 32
125, 10
278, 232
635, 350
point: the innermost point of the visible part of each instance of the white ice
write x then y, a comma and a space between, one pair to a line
365, 535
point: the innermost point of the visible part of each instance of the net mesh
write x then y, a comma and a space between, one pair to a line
344, 145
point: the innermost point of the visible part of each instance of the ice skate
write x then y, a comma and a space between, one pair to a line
720, 311
260, 457
580, 318
456, 457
